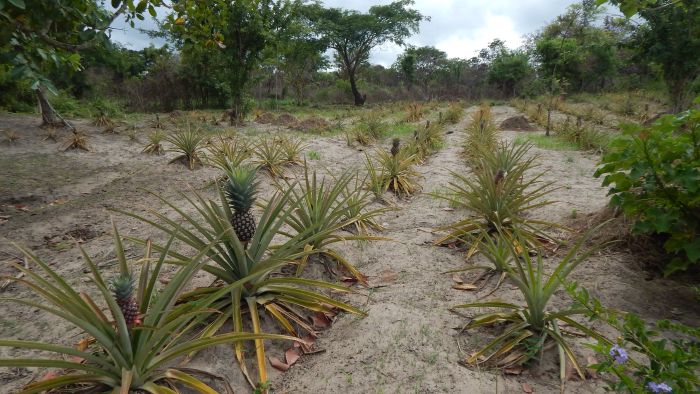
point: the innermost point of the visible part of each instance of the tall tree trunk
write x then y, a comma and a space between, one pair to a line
680, 96
49, 116
237, 112
359, 98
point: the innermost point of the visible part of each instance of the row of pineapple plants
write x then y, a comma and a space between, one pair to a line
501, 193
574, 129
394, 169
132, 346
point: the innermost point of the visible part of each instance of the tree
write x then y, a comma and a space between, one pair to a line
671, 39
425, 65
241, 29
508, 69
302, 55
46, 35
353, 34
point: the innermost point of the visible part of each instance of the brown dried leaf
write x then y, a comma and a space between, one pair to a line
292, 355
49, 375
514, 370
388, 276
527, 388
457, 278
464, 286
278, 365
590, 372
320, 320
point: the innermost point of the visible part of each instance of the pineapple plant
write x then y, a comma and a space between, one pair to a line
123, 291
241, 190
102, 119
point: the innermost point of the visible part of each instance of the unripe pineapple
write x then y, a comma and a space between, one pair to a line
395, 146
241, 189
123, 290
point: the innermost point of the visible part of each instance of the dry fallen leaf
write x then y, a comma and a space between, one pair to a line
592, 373
320, 320
448, 209
457, 278
464, 286
292, 355
49, 375
527, 388
388, 276
514, 370
278, 364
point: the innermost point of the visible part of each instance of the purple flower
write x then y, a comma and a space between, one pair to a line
619, 354
659, 387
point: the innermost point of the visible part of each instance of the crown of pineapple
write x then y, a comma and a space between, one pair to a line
241, 188
123, 287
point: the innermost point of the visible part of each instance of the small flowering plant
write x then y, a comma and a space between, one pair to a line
671, 365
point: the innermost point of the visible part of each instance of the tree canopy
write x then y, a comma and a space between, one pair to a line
353, 34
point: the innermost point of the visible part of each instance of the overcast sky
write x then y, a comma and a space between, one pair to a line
458, 27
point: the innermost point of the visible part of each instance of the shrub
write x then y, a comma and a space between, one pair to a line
668, 364
654, 174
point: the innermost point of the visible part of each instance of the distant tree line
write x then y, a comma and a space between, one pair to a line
223, 54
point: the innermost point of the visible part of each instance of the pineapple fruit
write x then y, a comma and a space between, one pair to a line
241, 190
123, 290
395, 146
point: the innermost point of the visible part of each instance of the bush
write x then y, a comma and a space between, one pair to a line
655, 173
667, 365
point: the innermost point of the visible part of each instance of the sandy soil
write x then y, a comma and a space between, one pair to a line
407, 342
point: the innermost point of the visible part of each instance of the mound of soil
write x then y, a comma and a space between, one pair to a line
286, 120
314, 124
265, 118
517, 123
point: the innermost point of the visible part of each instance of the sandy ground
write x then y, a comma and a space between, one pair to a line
407, 342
